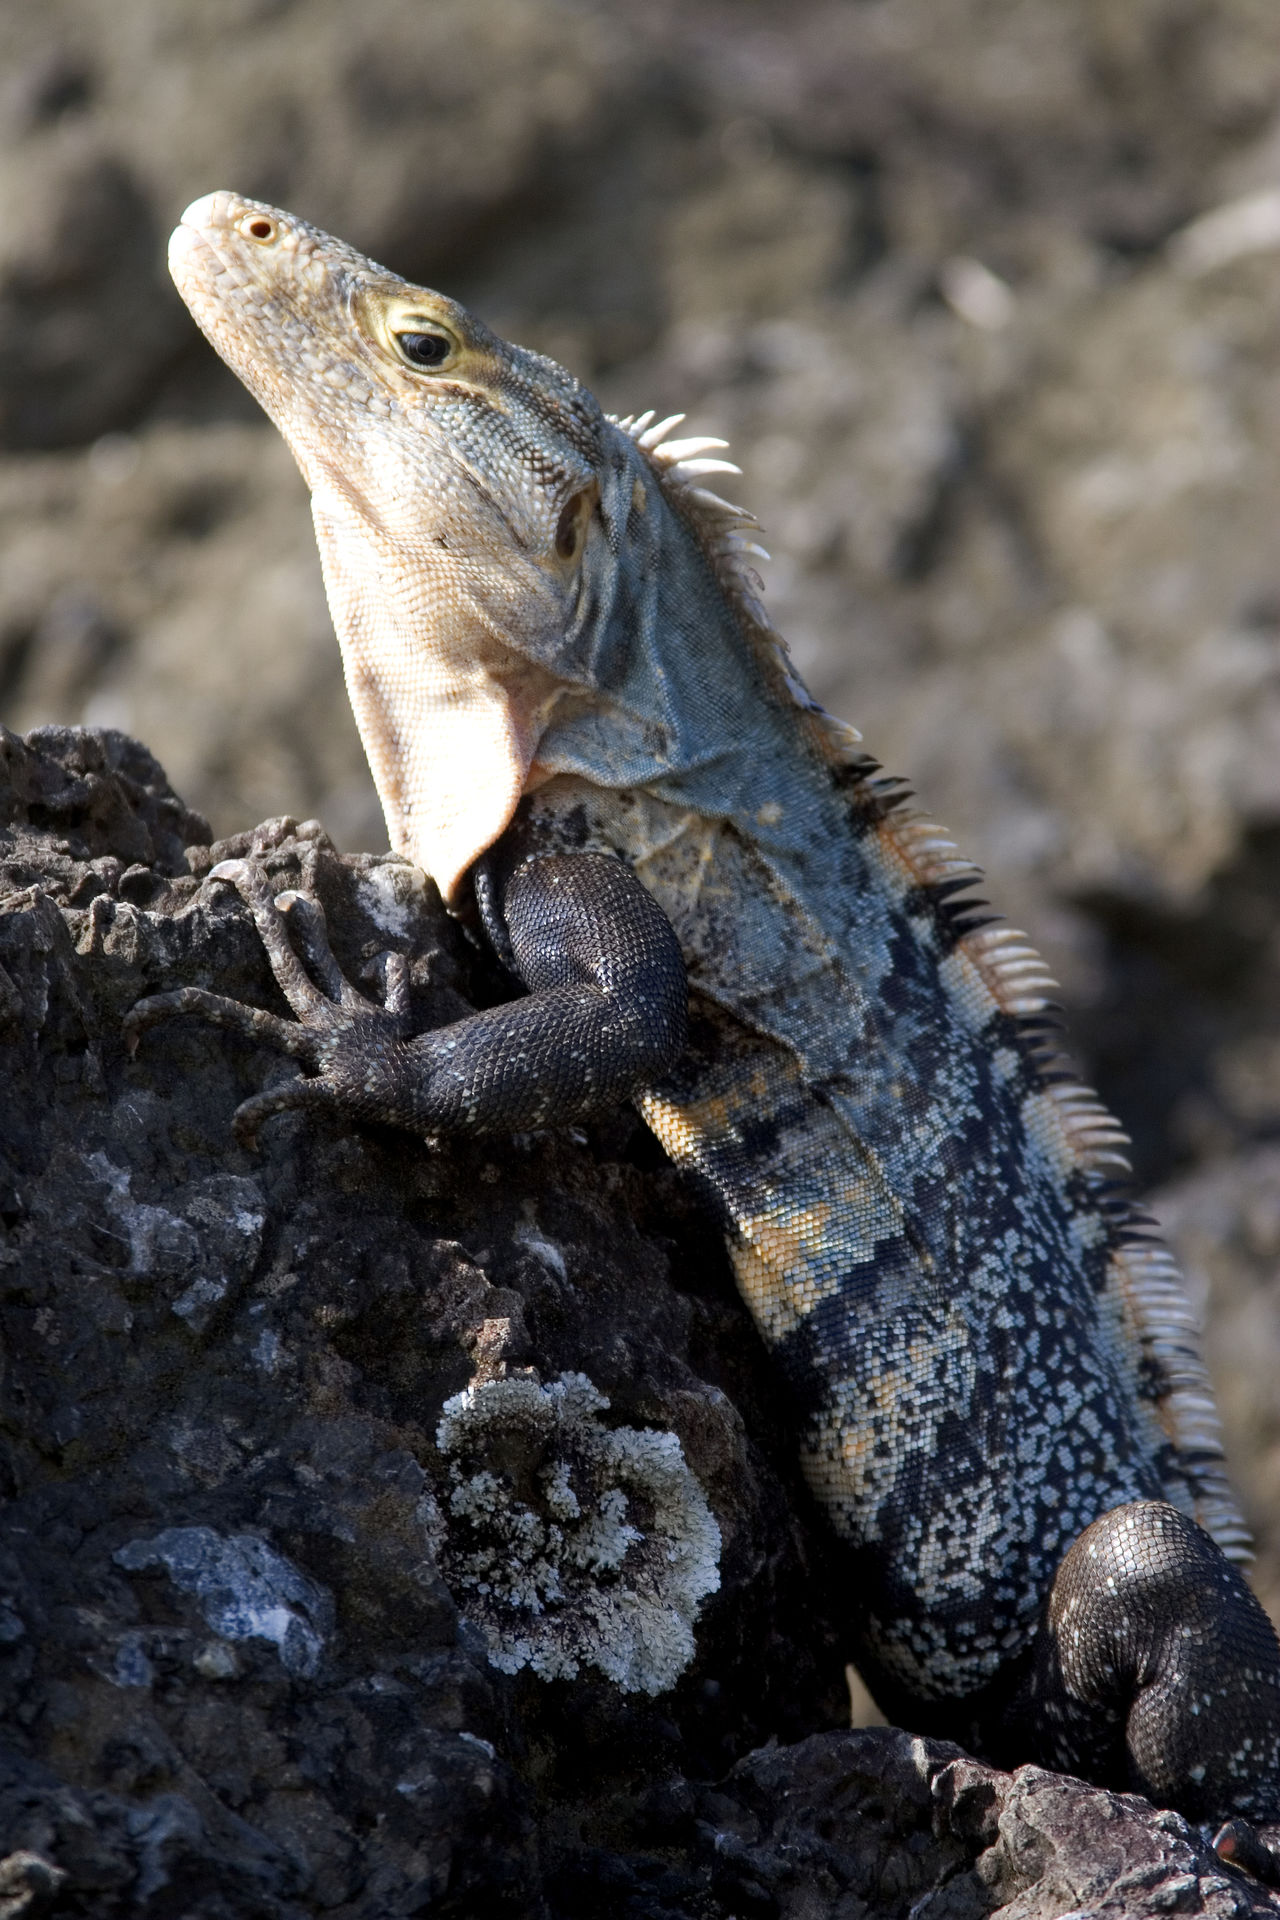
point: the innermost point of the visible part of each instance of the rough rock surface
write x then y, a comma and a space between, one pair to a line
400, 1529
284, 1436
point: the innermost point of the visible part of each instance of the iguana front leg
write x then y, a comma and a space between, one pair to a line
605, 1013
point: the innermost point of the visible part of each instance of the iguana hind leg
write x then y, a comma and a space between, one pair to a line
1156, 1670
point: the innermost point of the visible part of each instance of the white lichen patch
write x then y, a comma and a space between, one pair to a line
543, 1250
391, 895
570, 1543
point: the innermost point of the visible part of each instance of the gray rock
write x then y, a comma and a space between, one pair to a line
225, 1621
394, 1528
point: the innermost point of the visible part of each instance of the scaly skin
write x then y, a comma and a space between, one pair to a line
574, 708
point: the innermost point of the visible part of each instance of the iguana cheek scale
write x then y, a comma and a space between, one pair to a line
576, 711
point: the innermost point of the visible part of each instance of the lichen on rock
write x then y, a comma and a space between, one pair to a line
571, 1543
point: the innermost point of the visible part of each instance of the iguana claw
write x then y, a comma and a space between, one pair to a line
326, 1013
1254, 1850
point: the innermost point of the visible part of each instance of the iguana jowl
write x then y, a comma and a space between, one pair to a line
577, 714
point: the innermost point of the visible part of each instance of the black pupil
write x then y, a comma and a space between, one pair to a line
424, 349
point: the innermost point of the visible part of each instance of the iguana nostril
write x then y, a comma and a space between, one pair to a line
261, 229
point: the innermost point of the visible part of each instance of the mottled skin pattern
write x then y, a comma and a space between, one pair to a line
583, 727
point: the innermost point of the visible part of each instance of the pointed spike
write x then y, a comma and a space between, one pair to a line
683, 471
706, 498
651, 437
698, 443
839, 730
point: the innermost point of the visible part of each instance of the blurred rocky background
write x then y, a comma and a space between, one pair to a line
984, 294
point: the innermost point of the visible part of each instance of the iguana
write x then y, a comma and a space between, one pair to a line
582, 726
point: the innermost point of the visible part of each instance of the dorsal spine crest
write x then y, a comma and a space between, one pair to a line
1015, 979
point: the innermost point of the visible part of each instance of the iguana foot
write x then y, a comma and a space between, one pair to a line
337, 1030
1157, 1671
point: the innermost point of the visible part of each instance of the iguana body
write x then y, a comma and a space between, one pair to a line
575, 711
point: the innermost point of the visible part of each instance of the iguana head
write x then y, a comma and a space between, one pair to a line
493, 546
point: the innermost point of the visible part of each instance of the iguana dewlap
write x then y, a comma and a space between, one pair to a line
577, 715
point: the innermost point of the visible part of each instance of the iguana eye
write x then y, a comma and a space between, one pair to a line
425, 349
